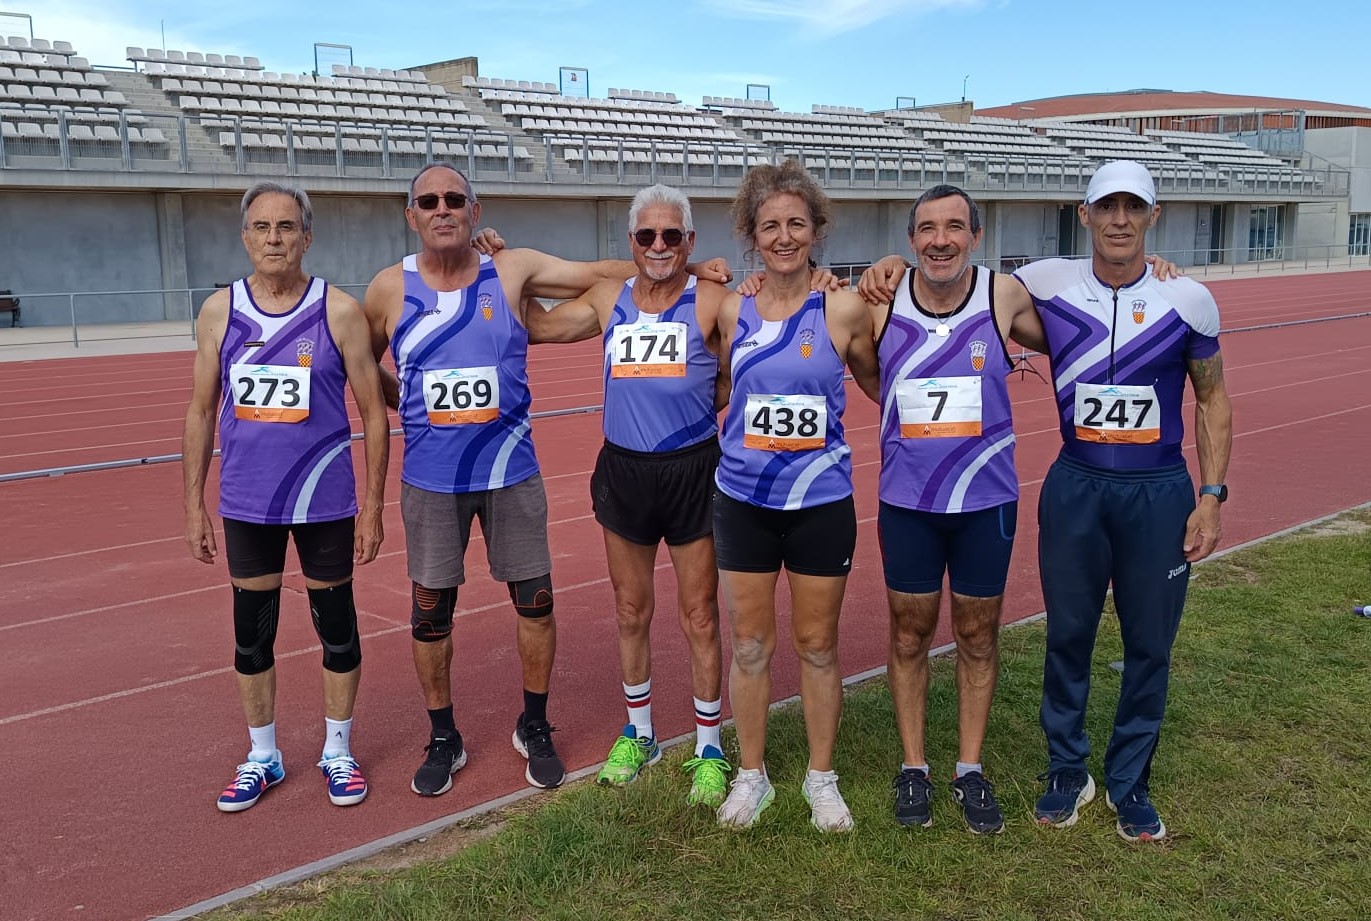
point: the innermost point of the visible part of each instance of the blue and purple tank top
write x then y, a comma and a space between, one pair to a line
462, 360
782, 440
659, 377
283, 422
947, 438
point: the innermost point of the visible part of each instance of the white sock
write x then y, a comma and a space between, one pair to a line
915, 767
708, 725
963, 768
263, 743
337, 737
638, 699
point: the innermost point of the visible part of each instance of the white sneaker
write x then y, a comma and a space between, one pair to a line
827, 811
750, 793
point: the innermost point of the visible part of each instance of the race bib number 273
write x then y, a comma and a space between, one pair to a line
270, 393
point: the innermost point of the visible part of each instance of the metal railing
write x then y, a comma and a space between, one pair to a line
124, 141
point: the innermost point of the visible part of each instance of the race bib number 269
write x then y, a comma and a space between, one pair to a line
462, 396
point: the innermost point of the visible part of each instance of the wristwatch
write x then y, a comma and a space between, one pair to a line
1219, 491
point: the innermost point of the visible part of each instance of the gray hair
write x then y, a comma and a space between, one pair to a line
947, 191
268, 187
660, 195
438, 164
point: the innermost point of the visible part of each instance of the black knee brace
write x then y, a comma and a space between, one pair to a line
430, 618
335, 623
532, 597
255, 615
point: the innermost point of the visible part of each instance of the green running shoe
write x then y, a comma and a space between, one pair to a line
710, 785
628, 757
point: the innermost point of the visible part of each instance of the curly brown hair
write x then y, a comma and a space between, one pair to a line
762, 182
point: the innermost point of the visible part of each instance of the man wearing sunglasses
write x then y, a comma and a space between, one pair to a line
456, 322
653, 479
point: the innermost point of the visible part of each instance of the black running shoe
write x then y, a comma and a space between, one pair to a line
977, 799
446, 756
534, 741
912, 790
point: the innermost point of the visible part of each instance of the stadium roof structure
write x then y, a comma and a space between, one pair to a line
1142, 102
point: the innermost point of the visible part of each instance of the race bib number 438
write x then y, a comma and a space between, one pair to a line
270, 393
1118, 414
462, 396
647, 350
785, 422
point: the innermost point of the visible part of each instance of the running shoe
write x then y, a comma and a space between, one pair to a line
827, 810
977, 799
750, 794
446, 756
533, 740
1138, 819
628, 757
912, 793
346, 785
710, 783
253, 778
1067, 791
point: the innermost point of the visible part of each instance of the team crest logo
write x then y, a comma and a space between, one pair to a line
978, 355
304, 353
485, 302
1139, 311
806, 343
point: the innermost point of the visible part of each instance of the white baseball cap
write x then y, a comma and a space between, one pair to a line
1121, 176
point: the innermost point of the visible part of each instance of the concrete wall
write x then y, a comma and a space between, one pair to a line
80, 241
1349, 148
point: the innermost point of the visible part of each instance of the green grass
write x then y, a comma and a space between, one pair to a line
1261, 777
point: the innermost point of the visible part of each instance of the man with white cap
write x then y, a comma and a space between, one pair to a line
1118, 505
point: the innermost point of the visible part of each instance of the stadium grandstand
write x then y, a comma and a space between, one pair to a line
147, 157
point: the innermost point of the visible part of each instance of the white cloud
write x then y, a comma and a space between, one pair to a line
832, 17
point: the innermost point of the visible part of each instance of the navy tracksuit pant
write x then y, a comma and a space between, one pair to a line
1097, 526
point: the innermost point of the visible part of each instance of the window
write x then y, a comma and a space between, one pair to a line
1266, 233
1359, 235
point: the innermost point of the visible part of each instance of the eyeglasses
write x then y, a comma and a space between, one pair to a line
455, 201
264, 228
646, 236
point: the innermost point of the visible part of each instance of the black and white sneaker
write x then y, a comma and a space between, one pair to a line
912, 791
446, 756
977, 799
533, 740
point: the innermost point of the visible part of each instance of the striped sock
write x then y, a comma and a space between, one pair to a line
638, 699
708, 725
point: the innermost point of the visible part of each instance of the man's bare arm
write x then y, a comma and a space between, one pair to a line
197, 440
1213, 444
350, 331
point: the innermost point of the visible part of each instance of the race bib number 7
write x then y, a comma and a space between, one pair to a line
462, 396
1118, 414
647, 350
939, 407
270, 393
785, 422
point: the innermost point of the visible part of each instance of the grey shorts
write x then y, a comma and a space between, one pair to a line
438, 529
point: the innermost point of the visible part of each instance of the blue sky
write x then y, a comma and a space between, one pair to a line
836, 52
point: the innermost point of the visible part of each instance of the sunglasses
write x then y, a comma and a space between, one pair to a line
647, 236
455, 201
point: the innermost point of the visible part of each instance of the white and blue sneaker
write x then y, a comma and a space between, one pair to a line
346, 785
253, 778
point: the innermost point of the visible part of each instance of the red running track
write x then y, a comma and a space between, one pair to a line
117, 694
